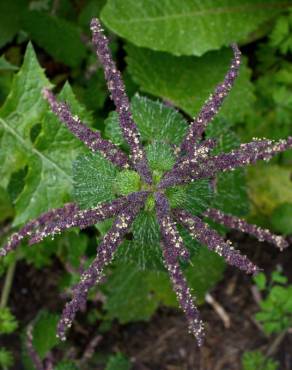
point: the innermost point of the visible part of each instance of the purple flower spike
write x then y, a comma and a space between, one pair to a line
249, 153
213, 104
80, 219
117, 88
209, 237
105, 253
236, 223
33, 226
172, 247
90, 138
183, 292
168, 227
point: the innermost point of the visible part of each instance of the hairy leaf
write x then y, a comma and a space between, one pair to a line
155, 120
94, 180
189, 27
186, 82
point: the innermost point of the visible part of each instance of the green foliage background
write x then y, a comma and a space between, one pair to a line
172, 53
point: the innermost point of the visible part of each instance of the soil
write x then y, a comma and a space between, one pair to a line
164, 343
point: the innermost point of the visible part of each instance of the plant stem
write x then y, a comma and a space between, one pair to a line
7, 284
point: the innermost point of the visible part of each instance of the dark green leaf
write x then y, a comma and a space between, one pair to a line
118, 362
10, 19
282, 218
44, 333
57, 36
186, 82
189, 27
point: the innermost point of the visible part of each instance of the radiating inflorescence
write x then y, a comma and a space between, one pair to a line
194, 161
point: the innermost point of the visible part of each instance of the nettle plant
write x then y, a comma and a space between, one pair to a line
156, 180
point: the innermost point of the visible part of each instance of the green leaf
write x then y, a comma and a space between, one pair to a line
48, 157
155, 121
277, 277
260, 280
57, 36
127, 182
189, 27
256, 360
94, 180
11, 13
118, 362
66, 365
186, 82
91, 9
8, 323
281, 218
6, 66
133, 294
269, 186
6, 358
205, 270
231, 192
44, 333
6, 209
128, 296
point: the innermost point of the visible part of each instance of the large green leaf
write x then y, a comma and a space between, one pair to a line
186, 82
188, 27
10, 18
32, 138
132, 294
57, 36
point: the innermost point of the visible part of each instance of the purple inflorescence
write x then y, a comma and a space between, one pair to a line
168, 228
92, 139
237, 223
215, 242
212, 105
105, 253
117, 89
34, 226
190, 169
194, 161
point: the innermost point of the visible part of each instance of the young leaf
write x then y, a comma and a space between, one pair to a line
189, 27
48, 157
186, 82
